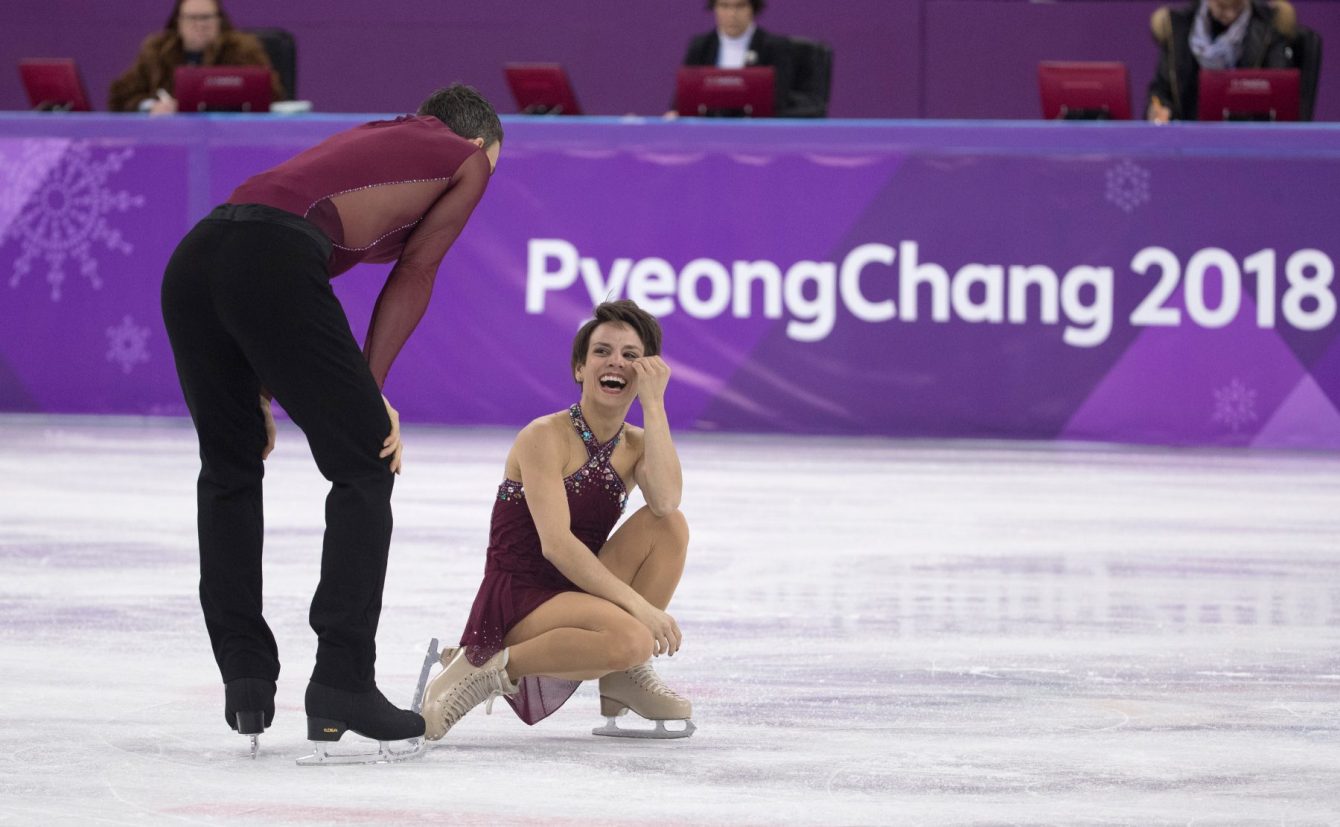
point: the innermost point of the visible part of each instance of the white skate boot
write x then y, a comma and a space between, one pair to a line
460, 687
642, 690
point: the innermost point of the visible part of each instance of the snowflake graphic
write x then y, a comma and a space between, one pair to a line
23, 167
65, 213
126, 344
1235, 405
1128, 186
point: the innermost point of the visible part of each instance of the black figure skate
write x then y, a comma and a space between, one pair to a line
249, 707
332, 712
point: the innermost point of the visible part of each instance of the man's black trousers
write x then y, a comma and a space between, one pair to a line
248, 305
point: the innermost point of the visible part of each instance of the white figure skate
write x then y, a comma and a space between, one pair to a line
642, 690
387, 751
460, 687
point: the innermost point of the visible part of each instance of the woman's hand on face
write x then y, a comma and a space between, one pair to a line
653, 374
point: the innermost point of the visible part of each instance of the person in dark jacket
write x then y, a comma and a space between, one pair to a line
1214, 34
197, 33
738, 41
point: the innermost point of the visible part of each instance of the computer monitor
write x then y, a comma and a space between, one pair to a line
1084, 90
222, 88
54, 84
541, 89
1248, 95
711, 92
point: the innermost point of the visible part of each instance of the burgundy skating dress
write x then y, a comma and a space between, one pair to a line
517, 578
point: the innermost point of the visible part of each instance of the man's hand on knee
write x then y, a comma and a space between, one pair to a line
393, 447
269, 428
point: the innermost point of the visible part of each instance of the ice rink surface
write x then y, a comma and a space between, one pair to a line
876, 632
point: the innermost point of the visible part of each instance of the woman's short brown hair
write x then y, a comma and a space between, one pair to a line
619, 312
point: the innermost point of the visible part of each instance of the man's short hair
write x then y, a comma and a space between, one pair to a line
756, 4
465, 112
619, 312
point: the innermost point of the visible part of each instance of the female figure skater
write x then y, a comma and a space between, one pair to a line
560, 603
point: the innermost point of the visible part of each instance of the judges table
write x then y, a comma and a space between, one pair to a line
1118, 282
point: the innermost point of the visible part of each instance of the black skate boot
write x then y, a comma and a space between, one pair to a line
249, 707
331, 712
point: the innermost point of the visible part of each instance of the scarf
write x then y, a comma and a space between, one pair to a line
1224, 51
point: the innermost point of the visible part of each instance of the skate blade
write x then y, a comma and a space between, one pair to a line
660, 733
428, 660
255, 746
386, 754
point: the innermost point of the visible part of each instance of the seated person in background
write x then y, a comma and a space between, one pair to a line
198, 33
737, 42
1214, 34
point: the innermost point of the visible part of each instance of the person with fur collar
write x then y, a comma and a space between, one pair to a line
1214, 34
198, 32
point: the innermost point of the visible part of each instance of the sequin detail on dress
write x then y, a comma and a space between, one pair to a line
596, 471
510, 490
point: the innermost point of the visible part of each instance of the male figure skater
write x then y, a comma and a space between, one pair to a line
250, 313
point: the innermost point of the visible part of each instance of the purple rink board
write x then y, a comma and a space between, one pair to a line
1115, 282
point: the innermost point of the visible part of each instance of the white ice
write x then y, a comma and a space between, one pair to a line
876, 632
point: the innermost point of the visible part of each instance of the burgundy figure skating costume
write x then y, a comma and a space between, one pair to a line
517, 577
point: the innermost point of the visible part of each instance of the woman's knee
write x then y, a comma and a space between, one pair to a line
668, 530
630, 644
672, 532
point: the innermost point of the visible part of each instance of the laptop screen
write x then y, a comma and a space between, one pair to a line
1084, 90
1248, 95
541, 89
222, 88
53, 83
709, 91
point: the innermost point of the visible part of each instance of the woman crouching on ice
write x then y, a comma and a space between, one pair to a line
561, 603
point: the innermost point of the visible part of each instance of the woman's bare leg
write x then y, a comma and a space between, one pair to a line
576, 636
647, 553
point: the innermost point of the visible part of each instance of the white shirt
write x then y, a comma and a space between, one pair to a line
735, 50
